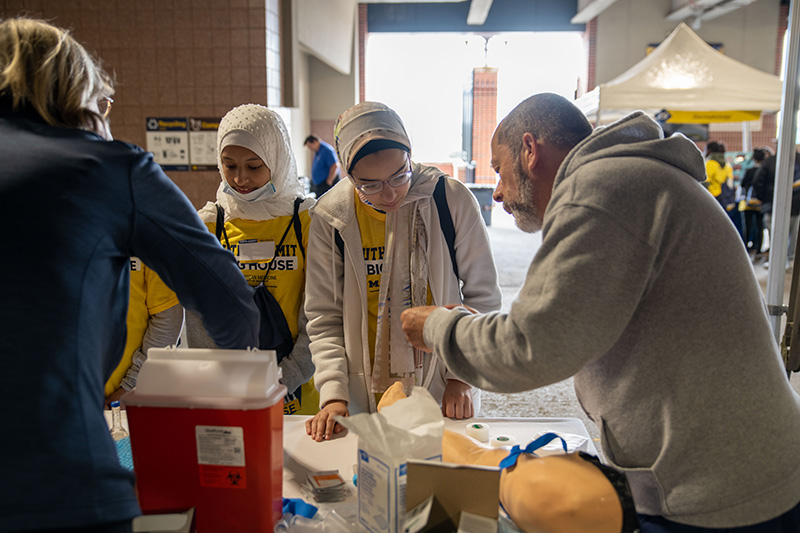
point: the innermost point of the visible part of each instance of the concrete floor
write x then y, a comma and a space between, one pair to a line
513, 251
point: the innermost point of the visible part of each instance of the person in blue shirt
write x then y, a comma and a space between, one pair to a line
77, 206
325, 166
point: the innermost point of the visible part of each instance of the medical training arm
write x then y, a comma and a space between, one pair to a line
169, 237
582, 288
163, 330
297, 367
323, 306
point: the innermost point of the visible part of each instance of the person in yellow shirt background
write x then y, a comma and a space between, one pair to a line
154, 321
261, 215
719, 181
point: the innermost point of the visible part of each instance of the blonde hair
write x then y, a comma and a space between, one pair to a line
43, 67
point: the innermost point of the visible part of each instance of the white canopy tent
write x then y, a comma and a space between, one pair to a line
683, 74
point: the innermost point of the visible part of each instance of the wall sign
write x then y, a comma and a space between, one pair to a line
203, 143
168, 140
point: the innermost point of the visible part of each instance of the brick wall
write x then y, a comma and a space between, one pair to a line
171, 58
765, 137
484, 121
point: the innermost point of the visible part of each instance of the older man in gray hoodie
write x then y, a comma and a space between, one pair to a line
673, 359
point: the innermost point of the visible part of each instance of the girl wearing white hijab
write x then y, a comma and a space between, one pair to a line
258, 193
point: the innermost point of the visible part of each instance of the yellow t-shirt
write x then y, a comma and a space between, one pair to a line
372, 225
255, 245
148, 296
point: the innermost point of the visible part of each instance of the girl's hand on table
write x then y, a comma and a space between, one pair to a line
322, 426
457, 400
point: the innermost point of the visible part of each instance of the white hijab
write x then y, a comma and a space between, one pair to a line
263, 131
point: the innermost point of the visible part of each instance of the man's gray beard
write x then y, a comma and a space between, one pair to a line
526, 216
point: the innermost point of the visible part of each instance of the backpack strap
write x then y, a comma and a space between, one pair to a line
285, 232
446, 221
219, 227
298, 230
337, 238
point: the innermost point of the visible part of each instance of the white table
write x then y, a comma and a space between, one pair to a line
302, 454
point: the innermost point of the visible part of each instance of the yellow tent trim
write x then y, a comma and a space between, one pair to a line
706, 117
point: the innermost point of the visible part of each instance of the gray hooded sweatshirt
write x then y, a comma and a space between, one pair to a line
643, 291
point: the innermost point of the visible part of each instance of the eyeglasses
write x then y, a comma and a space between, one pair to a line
104, 106
398, 180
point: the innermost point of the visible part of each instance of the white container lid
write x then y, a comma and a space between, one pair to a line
208, 379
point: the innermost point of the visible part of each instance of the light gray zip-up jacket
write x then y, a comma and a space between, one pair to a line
643, 290
336, 297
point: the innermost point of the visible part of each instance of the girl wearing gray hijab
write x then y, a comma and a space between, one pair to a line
265, 222
377, 247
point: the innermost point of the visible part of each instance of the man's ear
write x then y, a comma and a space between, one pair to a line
530, 151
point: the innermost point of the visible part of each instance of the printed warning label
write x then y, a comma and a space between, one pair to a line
225, 477
220, 445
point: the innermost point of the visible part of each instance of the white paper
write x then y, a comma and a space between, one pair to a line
253, 250
220, 445
575, 443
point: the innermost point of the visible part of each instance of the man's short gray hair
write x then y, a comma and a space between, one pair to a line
548, 117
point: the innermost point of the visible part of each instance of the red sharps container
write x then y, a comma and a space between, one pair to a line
207, 432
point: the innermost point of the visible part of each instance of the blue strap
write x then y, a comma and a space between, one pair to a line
297, 506
544, 440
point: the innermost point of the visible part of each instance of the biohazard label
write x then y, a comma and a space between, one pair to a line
220, 456
226, 477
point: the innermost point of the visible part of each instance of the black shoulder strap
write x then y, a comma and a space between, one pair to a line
446, 221
298, 230
219, 227
283, 238
337, 238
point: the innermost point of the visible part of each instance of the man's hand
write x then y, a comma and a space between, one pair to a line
413, 320
323, 426
457, 400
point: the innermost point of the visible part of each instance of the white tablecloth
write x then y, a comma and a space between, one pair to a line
302, 455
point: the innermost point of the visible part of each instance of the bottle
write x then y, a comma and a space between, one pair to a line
117, 431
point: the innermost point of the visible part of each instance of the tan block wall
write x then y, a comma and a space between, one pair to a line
171, 58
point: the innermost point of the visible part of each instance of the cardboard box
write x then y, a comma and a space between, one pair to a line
455, 489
